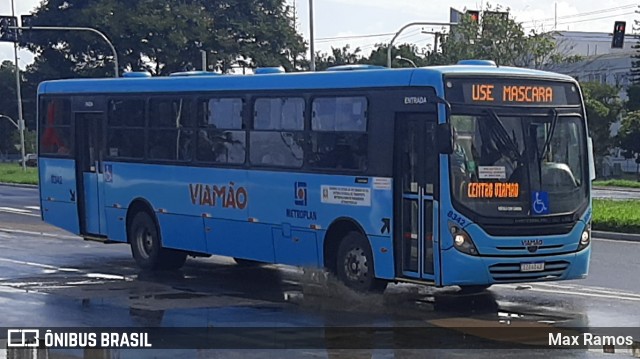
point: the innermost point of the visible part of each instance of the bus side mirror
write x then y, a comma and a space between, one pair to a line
444, 138
592, 162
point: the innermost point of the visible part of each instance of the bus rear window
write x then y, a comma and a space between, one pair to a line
55, 128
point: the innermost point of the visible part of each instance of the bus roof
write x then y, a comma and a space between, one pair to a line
368, 78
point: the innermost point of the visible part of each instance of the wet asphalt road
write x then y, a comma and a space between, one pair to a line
616, 193
51, 279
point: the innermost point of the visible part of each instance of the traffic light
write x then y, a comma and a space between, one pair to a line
474, 14
7, 34
24, 34
618, 34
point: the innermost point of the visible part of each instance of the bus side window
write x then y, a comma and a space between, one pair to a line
221, 137
55, 127
338, 137
277, 138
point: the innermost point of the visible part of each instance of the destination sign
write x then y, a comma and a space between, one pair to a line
511, 92
493, 190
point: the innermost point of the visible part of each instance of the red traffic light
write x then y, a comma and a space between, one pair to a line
618, 34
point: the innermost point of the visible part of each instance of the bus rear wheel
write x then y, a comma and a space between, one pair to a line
355, 264
146, 245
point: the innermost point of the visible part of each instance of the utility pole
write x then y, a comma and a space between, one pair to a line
312, 45
19, 96
436, 39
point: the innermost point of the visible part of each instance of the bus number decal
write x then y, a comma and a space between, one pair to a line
457, 218
230, 196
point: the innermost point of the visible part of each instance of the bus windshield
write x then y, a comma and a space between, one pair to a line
516, 166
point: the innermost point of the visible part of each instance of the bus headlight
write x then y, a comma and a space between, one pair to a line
462, 241
585, 238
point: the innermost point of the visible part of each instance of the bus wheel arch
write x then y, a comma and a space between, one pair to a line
144, 236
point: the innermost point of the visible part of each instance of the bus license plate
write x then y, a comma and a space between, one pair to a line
532, 267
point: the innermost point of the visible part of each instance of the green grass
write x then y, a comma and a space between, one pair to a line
12, 173
616, 216
617, 183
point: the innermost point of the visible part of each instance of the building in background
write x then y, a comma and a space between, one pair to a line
600, 63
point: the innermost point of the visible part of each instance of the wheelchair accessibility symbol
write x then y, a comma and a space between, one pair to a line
540, 202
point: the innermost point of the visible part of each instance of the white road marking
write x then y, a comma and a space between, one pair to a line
41, 234
11, 209
18, 211
615, 241
35, 208
580, 291
39, 265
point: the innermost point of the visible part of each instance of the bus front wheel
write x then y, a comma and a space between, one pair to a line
146, 245
355, 264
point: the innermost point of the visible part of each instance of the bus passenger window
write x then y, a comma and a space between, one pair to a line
339, 139
277, 138
220, 146
338, 151
55, 128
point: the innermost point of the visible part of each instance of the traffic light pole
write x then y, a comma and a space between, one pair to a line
65, 28
409, 25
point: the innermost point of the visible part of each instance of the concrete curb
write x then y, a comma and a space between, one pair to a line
616, 236
20, 185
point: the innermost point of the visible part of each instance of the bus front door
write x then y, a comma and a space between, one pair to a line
416, 182
90, 173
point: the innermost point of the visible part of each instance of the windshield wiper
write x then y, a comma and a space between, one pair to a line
504, 137
547, 141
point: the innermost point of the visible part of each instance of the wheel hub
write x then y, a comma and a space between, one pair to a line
356, 264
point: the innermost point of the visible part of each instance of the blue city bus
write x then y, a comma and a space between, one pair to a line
468, 175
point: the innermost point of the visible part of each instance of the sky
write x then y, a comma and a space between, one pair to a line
341, 22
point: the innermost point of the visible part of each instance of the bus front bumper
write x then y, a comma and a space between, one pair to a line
464, 270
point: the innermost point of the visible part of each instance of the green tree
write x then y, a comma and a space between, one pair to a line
635, 65
8, 107
628, 136
633, 101
407, 51
163, 36
499, 38
338, 56
603, 108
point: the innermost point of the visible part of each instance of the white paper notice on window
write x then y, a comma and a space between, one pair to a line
492, 172
352, 196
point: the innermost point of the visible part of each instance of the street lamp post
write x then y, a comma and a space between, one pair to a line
409, 25
73, 28
21, 129
20, 123
407, 60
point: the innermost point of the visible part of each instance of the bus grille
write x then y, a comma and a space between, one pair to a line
510, 272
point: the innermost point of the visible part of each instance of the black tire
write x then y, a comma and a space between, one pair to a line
473, 289
146, 245
355, 264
